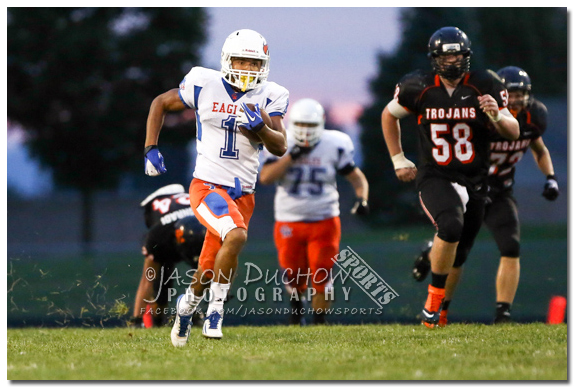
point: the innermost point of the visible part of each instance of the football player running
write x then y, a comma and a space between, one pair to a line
222, 191
501, 216
458, 110
307, 230
174, 235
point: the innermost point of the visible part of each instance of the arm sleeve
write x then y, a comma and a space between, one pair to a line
539, 117
191, 86
409, 89
277, 102
345, 149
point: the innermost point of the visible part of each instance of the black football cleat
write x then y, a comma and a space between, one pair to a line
503, 318
422, 264
297, 315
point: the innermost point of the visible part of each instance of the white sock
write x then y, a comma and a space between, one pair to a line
189, 302
219, 291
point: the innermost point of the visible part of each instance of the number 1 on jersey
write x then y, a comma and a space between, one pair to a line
229, 151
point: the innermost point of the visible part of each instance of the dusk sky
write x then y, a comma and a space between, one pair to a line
324, 53
328, 54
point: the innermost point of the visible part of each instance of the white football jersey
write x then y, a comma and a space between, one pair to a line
223, 152
308, 190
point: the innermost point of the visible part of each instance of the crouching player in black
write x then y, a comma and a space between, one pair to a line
501, 215
174, 234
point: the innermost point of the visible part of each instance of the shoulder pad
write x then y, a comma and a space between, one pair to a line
411, 86
538, 112
485, 80
417, 79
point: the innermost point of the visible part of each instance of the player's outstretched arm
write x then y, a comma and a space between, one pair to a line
272, 171
404, 169
543, 159
274, 138
164, 103
361, 187
542, 156
167, 102
275, 170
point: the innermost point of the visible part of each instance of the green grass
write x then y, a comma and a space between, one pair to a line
93, 291
369, 352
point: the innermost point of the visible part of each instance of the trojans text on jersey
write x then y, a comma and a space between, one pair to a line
465, 113
513, 145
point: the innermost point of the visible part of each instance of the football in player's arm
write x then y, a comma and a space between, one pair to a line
458, 110
307, 230
222, 191
174, 235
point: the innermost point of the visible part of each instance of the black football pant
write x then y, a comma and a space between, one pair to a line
502, 220
444, 207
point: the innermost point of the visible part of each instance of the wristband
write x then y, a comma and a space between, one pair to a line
495, 119
148, 148
552, 176
400, 161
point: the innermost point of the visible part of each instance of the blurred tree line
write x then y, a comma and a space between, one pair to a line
81, 81
534, 39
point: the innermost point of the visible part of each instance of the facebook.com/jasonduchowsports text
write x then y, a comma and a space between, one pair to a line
349, 275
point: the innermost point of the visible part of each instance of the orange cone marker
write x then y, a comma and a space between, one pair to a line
556, 314
147, 318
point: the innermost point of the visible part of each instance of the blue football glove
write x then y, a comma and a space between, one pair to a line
154, 161
251, 120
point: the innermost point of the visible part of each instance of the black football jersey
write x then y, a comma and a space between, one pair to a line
505, 154
160, 215
454, 133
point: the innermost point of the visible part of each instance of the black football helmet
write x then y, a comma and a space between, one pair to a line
449, 41
189, 238
515, 78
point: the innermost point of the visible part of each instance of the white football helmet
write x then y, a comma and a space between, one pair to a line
245, 44
306, 122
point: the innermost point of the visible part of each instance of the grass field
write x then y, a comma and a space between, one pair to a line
76, 291
369, 352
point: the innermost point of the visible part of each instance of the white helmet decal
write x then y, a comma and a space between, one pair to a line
309, 112
245, 44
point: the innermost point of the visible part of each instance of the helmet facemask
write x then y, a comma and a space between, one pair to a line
306, 134
245, 44
306, 122
452, 70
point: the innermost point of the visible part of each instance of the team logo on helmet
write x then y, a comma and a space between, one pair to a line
266, 49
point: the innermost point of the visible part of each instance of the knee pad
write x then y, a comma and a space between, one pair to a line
460, 258
450, 225
510, 247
